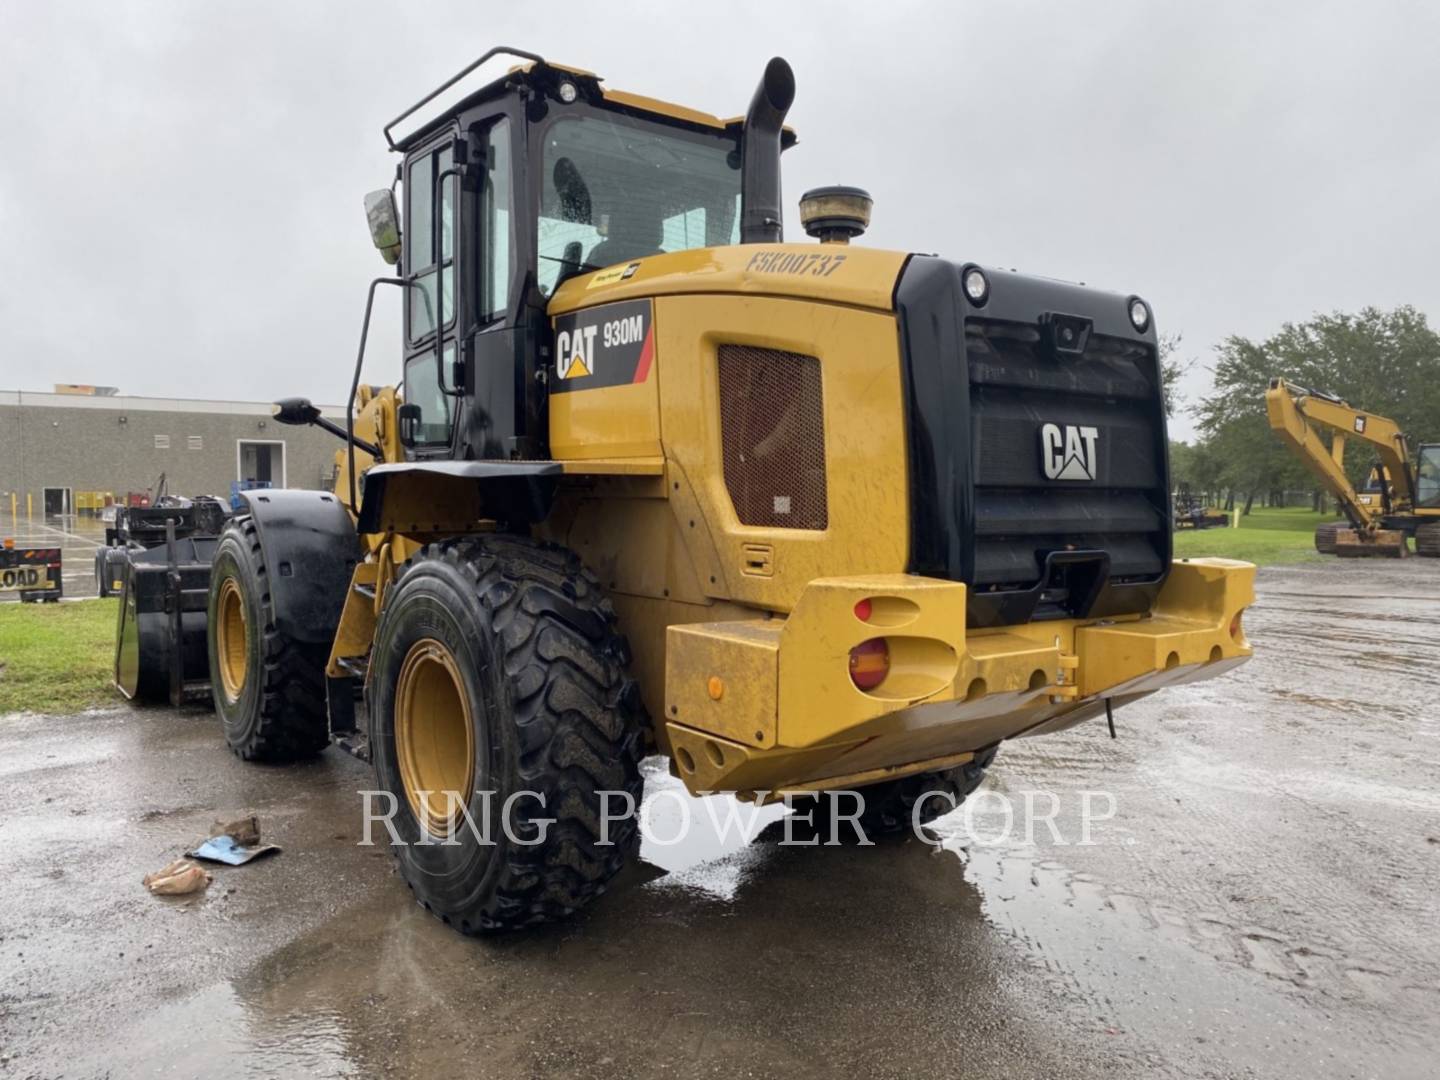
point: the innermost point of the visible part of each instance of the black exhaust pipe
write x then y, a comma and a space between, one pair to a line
760, 216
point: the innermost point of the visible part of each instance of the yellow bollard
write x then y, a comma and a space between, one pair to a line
28, 497
14, 503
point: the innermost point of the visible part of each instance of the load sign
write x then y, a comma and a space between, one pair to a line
609, 345
34, 573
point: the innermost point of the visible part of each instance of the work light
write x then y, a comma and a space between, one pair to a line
1139, 315
977, 288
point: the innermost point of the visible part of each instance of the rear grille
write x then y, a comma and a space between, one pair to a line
772, 431
1017, 385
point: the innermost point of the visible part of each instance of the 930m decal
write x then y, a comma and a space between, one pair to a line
609, 345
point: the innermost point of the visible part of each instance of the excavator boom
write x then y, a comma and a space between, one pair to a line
1302, 418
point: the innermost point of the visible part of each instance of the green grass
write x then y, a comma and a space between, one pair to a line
56, 658
1265, 536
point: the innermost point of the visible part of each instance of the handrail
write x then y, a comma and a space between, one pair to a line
355, 382
497, 51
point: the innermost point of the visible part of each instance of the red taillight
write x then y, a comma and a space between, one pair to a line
869, 663
862, 610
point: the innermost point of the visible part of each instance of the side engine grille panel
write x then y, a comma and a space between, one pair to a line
772, 431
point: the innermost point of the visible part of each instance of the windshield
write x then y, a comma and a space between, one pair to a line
616, 189
1428, 476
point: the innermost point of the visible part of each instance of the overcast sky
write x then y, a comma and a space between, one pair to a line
181, 184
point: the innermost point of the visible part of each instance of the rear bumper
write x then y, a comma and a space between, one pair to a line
768, 706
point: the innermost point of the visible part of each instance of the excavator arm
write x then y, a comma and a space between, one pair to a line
1302, 417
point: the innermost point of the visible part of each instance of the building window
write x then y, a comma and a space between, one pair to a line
194, 442
162, 442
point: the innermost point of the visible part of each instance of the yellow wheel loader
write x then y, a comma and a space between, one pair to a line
798, 516
1399, 500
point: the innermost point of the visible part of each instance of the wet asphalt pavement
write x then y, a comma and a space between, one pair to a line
1262, 903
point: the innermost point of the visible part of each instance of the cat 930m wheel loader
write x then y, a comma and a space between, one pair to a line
799, 516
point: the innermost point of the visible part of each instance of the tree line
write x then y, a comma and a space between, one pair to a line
1385, 362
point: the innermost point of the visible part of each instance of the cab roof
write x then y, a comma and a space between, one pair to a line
547, 75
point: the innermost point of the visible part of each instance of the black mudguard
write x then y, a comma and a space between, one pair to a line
310, 550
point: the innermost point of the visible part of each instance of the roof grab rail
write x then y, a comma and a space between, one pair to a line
499, 50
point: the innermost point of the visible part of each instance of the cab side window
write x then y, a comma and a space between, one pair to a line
497, 255
421, 264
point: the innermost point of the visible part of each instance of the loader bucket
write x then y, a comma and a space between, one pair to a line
1382, 544
161, 651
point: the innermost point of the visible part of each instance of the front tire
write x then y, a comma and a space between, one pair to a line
269, 689
497, 673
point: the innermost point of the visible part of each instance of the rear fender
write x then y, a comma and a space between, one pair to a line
310, 550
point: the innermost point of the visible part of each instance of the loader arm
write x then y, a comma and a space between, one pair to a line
1301, 417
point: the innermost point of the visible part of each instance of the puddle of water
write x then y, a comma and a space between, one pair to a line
702, 844
212, 1034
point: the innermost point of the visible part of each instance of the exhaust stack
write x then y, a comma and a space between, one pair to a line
760, 217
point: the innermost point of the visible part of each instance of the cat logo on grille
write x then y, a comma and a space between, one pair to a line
1068, 452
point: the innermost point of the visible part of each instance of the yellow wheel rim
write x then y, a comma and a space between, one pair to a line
434, 740
231, 640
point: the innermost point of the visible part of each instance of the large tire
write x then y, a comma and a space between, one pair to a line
525, 689
890, 806
269, 689
1325, 536
1427, 540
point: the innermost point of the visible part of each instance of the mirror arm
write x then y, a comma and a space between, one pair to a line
355, 385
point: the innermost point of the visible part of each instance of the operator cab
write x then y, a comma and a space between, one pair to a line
540, 176
1427, 476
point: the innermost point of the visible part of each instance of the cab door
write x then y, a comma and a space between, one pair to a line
468, 280
431, 298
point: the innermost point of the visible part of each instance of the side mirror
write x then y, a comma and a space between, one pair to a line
384, 220
295, 410
408, 417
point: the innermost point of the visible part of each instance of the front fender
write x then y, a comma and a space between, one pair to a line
310, 549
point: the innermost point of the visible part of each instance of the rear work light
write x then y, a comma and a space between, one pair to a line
869, 663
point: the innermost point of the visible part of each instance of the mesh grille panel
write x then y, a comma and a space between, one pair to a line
772, 428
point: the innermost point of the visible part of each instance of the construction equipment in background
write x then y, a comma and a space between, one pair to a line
30, 573
1192, 512
800, 517
1399, 499
137, 529
157, 558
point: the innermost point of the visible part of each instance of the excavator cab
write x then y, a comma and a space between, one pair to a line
1427, 477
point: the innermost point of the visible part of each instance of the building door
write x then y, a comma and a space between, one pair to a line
261, 462
57, 502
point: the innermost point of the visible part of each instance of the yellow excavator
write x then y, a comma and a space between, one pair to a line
1398, 501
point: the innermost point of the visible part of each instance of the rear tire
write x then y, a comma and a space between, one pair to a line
525, 673
269, 689
1325, 536
890, 806
1427, 540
